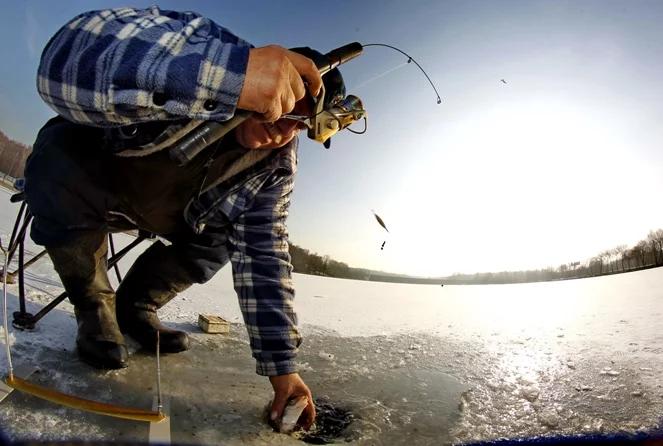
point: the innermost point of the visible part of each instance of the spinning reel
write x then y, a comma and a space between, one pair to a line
326, 122
331, 110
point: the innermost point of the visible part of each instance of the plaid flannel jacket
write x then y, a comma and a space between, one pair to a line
121, 66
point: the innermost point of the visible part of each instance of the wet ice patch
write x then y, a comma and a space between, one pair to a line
326, 356
331, 424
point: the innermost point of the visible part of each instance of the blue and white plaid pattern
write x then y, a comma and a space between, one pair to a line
250, 221
121, 66
262, 272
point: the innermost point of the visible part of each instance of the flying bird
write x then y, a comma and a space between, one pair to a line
503, 81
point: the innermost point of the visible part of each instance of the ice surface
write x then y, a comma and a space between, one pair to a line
415, 364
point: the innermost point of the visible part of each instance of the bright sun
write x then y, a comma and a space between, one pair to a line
517, 187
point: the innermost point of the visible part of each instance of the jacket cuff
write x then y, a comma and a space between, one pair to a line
225, 85
275, 368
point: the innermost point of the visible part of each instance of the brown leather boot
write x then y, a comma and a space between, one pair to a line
153, 280
81, 265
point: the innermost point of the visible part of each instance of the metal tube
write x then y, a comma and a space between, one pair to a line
52, 304
12, 240
117, 257
30, 262
159, 401
112, 250
21, 278
4, 315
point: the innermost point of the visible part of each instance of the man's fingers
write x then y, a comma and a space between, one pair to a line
307, 69
297, 86
308, 416
280, 400
288, 101
274, 81
274, 111
285, 103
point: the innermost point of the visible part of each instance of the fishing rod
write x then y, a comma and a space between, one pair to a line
186, 141
322, 124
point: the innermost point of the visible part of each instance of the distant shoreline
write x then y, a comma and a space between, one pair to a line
443, 281
303, 259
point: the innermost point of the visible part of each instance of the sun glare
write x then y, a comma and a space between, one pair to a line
518, 187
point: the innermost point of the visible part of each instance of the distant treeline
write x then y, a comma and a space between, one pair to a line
647, 253
12, 156
306, 262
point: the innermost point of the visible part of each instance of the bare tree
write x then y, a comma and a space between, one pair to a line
606, 256
628, 256
655, 239
12, 156
641, 252
596, 261
620, 252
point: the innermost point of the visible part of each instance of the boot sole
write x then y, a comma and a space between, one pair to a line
152, 348
99, 363
102, 365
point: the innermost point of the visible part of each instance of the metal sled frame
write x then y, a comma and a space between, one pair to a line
63, 399
24, 320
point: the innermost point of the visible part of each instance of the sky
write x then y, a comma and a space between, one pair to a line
559, 163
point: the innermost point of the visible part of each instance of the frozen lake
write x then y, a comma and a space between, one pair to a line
416, 364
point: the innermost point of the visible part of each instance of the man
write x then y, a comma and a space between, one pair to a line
121, 78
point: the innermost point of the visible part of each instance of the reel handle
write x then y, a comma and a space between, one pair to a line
211, 131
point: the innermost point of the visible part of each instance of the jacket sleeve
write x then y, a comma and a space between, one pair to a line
262, 275
123, 66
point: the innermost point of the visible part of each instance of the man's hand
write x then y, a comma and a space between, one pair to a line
287, 387
256, 134
274, 81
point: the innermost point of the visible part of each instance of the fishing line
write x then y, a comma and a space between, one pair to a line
358, 132
376, 77
409, 59
386, 72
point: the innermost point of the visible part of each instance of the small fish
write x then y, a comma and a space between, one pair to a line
377, 217
292, 413
382, 247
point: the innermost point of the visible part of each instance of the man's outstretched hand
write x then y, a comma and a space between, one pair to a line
287, 387
274, 81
